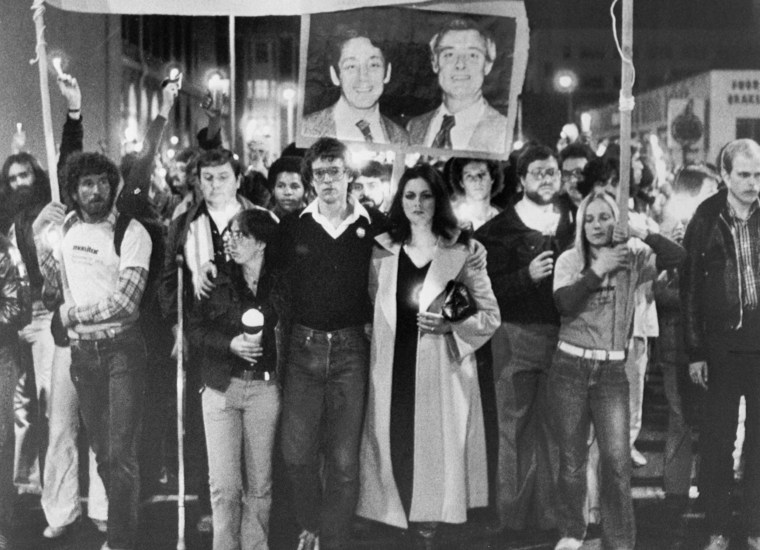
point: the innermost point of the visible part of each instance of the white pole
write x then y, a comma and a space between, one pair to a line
38, 7
233, 112
291, 118
180, 407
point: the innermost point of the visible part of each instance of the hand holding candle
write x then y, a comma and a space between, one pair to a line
253, 324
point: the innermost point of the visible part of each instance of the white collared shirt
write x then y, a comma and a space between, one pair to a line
355, 210
542, 218
464, 127
345, 123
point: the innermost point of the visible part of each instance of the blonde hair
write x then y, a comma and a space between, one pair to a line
581, 242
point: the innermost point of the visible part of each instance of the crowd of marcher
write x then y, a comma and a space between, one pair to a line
352, 338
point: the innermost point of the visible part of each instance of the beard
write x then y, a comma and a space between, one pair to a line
96, 210
22, 198
538, 198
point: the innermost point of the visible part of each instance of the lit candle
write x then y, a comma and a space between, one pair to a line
57, 66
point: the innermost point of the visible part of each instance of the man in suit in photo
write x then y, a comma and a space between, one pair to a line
361, 71
462, 55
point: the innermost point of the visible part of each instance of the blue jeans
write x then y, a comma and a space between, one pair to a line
109, 376
60, 492
240, 425
323, 409
8, 376
582, 391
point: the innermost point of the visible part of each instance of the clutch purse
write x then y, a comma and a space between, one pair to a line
458, 303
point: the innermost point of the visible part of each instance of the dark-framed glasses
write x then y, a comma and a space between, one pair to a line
331, 173
542, 173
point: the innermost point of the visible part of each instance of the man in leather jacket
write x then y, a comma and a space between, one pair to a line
720, 295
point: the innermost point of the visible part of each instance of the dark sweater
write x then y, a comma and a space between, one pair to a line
511, 246
326, 278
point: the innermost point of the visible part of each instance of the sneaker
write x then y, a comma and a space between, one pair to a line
51, 532
100, 524
753, 543
308, 540
568, 543
717, 542
638, 459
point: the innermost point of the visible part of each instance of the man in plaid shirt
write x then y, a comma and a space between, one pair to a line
719, 294
99, 291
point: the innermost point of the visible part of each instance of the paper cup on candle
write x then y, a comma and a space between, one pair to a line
253, 323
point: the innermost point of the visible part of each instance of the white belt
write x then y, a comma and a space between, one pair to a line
595, 354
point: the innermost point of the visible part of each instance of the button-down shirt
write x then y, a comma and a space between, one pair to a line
746, 235
465, 122
346, 119
355, 209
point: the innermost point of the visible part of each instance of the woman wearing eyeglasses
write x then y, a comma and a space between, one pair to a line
423, 446
594, 290
475, 182
241, 395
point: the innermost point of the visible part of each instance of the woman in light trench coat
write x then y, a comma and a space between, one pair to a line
436, 468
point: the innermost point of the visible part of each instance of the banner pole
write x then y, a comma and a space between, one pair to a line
38, 7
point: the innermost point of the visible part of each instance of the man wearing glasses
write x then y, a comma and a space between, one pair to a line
462, 55
522, 243
324, 258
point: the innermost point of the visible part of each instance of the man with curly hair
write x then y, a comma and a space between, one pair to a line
97, 282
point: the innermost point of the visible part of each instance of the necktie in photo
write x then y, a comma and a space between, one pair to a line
443, 137
364, 127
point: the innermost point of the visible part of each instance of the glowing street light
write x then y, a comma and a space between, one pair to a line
566, 82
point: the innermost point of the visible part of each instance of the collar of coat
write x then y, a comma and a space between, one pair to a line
448, 261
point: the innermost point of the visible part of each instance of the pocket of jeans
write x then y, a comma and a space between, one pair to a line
212, 400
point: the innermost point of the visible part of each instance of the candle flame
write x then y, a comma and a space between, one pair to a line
57, 65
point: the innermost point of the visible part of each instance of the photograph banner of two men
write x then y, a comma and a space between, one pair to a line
439, 79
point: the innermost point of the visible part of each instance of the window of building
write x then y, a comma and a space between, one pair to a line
748, 128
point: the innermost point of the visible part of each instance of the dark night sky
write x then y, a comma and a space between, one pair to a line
666, 14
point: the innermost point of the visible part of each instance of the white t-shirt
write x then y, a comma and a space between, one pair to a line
91, 263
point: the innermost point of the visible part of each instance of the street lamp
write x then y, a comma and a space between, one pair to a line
565, 82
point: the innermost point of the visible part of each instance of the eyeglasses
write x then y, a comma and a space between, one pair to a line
235, 235
541, 173
574, 174
333, 172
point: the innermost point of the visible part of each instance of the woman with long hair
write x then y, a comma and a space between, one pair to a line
594, 289
241, 395
423, 455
